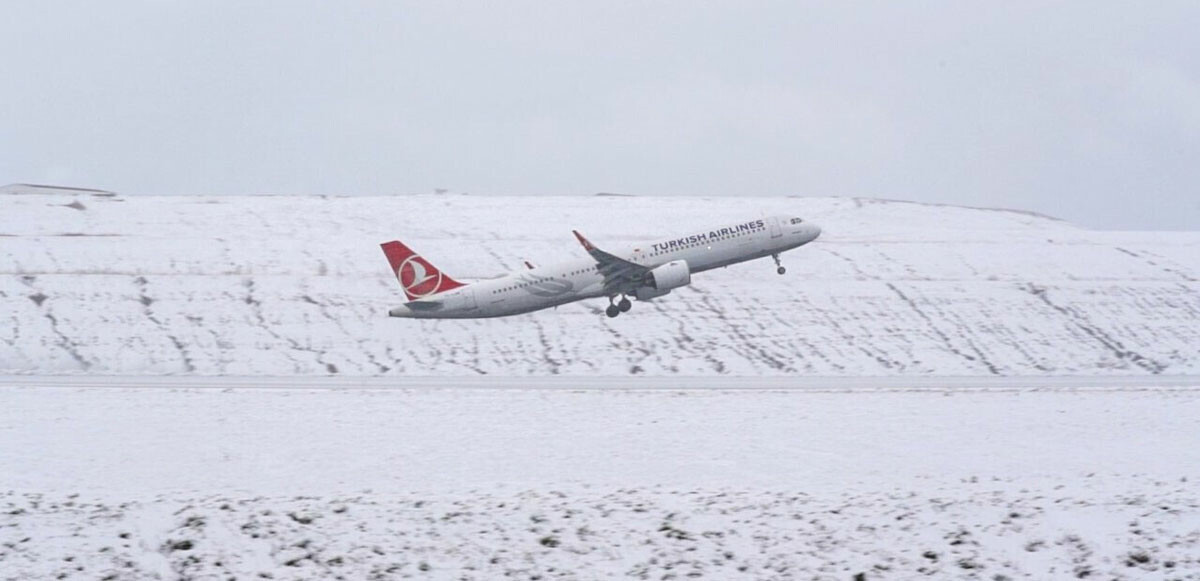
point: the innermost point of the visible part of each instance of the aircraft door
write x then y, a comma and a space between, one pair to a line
773, 226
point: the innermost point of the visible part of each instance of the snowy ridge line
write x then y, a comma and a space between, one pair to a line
623, 384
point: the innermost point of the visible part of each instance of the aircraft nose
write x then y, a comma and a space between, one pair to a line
812, 232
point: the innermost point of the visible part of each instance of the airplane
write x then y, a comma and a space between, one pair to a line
643, 271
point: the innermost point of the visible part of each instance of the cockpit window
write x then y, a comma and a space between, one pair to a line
796, 220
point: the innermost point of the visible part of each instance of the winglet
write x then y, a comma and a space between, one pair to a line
584, 241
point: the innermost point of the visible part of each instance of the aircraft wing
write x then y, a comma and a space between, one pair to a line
620, 275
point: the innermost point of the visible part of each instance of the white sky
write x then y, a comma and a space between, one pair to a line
1088, 111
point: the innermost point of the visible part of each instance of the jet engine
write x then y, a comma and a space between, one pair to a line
661, 280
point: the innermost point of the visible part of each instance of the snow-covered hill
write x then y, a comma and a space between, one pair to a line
278, 285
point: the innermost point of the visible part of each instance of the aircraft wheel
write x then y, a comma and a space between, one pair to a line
781, 270
612, 311
624, 305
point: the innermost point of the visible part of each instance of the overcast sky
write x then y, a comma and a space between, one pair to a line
1088, 111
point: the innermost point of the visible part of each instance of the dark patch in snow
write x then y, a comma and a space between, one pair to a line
184, 545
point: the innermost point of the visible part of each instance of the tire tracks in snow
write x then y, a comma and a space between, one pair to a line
745, 343
1150, 258
1084, 324
256, 310
64, 341
324, 311
977, 358
140, 282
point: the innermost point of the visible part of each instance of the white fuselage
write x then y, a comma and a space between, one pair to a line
543, 287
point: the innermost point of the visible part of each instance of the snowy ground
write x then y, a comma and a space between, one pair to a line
931, 391
213, 478
975, 530
296, 285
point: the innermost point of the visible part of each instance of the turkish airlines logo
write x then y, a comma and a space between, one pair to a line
416, 278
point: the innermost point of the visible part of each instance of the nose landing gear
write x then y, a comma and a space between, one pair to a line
781, 269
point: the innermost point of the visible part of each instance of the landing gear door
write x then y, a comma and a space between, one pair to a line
773, 226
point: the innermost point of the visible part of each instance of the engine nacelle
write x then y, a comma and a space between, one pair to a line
661, 280
645, 293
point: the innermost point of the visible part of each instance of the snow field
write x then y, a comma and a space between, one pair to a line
969, 530
212, 479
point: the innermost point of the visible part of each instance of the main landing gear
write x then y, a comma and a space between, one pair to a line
615, 309
781, 269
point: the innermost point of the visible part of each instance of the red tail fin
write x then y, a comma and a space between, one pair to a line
417, 276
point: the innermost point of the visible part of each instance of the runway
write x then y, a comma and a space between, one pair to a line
816, 384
